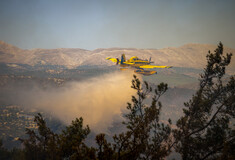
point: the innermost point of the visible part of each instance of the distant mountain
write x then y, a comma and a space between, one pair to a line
189, 55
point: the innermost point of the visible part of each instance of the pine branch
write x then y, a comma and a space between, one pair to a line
205, 126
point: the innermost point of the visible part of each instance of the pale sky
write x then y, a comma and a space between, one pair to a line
92, 24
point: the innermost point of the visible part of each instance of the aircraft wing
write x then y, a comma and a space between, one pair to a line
130, 63
112, 59
150, 66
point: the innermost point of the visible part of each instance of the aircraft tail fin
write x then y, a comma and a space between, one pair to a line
123, 58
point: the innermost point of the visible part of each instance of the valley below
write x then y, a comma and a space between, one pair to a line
22, 89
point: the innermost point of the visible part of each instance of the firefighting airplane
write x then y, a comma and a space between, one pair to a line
137, 63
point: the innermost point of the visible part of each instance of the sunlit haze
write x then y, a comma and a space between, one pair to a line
95, 24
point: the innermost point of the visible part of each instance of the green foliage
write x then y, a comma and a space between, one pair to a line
204, 131
72, 141
43, 145
47, 145
4, 154
146, 137
14, 154
105, 151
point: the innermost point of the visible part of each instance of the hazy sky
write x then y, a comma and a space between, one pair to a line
91, 24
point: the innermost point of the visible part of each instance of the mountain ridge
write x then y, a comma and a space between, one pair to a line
189, 55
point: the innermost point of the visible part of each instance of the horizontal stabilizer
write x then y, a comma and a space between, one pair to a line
112, 59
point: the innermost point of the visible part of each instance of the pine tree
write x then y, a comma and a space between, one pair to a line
105, 151
41, 145
146, 137
45, 144
205, 130
72, 139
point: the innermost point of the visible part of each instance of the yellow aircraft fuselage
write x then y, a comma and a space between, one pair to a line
137, 63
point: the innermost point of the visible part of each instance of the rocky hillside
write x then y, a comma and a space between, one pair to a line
189, 55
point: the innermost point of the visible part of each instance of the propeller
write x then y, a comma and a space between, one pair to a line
150, 60
117, 61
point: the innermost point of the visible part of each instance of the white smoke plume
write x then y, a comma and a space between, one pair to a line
98, 100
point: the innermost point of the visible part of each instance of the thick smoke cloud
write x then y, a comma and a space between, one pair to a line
98, 100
